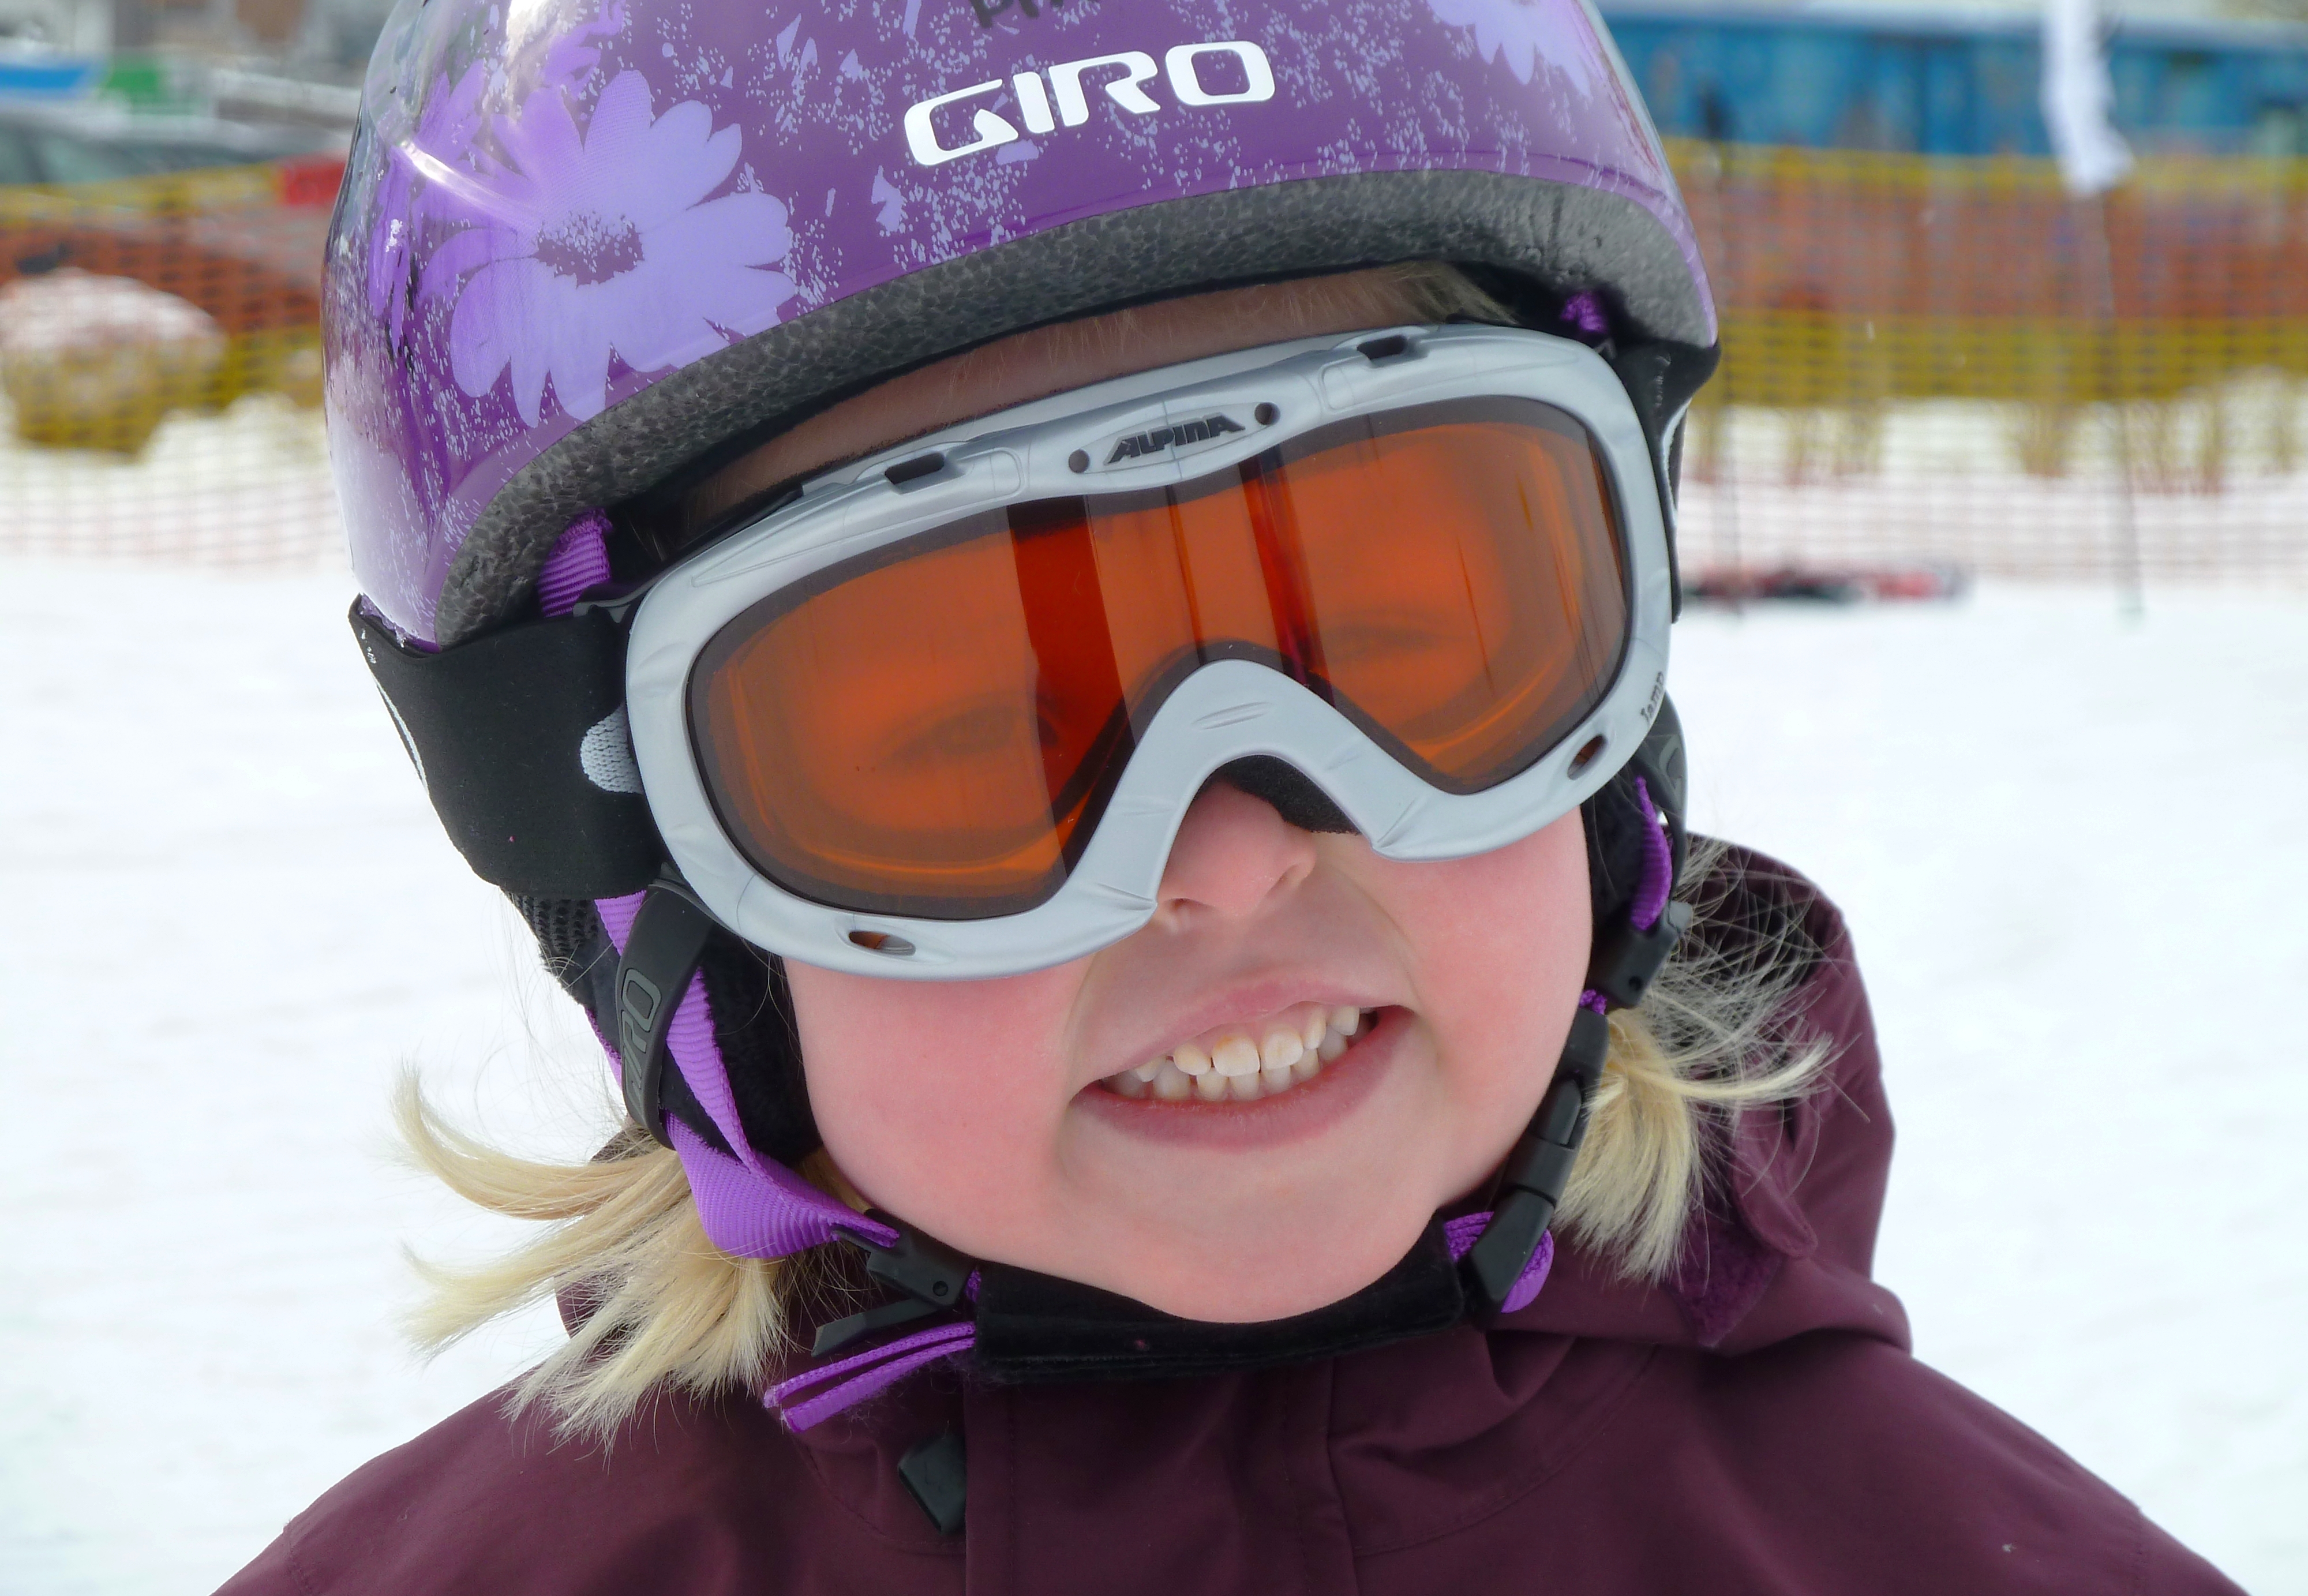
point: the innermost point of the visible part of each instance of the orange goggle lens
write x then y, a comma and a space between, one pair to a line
933, 728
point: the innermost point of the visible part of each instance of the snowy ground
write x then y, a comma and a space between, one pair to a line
2070, 848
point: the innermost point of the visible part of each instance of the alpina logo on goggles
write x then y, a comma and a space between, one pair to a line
943, 715
1216, 425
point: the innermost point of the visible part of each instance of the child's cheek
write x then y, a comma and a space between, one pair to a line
922, 1087
1499, 944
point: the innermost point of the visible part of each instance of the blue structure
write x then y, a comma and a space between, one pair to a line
26, 75
1952, 83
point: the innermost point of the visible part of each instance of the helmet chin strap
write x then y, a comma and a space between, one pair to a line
1027, 1327
1530, 1182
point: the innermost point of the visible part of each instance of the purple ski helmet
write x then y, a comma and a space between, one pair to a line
582, 242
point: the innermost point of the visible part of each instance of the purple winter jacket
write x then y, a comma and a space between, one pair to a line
1756, 1425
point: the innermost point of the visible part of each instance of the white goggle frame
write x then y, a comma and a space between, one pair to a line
1228, 709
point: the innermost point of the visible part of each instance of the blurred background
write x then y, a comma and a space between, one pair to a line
1997, 520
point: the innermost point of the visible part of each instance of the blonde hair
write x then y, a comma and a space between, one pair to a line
664, 1309
1710, 1040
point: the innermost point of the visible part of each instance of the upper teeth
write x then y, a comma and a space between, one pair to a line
1245, 1061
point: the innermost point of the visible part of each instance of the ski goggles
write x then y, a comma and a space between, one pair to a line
941, 714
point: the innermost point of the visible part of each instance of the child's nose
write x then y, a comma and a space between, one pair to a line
1232, 853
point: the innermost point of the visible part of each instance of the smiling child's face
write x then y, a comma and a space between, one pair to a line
1347, 1043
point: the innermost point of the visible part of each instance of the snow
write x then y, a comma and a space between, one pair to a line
233, 918
2069, 849
2068, 846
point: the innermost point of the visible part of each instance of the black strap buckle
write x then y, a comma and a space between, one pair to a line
933, 1276
928, 1270
842, 1333
1530, 1183
1628, 959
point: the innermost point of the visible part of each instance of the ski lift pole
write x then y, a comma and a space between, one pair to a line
2091, 217
2094, 158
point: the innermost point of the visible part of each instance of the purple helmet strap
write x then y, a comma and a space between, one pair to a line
751, 1206
580, 559
867, 1373
1585, 312
1658, 864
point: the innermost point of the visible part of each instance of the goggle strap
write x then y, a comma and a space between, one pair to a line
1661, 378
520, 741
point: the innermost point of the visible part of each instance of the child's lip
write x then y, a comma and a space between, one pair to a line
1300, 1114
1245, 1005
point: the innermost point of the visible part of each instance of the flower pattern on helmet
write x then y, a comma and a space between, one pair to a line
600, 243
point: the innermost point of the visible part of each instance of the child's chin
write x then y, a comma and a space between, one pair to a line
1256, 1300
1287, 1271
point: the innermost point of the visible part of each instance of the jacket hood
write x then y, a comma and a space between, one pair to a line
1783, 1240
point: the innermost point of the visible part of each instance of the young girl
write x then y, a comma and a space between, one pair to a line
1058, 617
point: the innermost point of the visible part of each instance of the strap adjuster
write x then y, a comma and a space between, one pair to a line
662, 953
929, 1270
1530, 1182
1628, 958
933, 1276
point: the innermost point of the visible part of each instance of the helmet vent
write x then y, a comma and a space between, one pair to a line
914, 471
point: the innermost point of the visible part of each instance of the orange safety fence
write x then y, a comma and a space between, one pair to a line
1952, 360
161, 367
1923, 358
